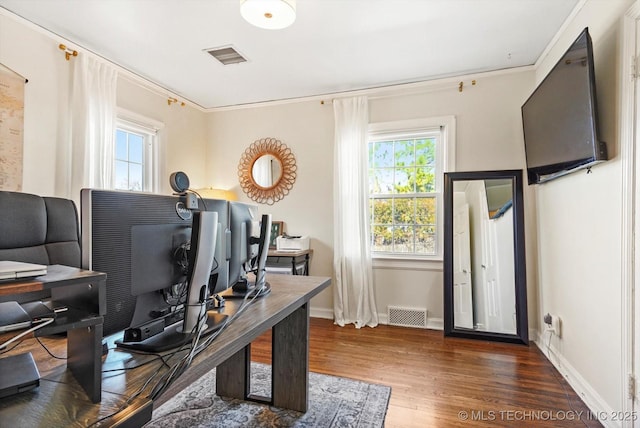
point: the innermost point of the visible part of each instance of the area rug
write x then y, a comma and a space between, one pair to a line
334, 402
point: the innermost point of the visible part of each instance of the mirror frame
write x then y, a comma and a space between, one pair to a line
522, 325
279, 189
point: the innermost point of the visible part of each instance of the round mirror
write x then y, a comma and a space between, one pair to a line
267, 170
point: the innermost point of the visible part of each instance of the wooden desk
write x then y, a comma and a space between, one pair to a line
83, 293
286, 310
295, 257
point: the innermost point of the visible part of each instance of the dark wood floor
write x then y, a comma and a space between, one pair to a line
445, 382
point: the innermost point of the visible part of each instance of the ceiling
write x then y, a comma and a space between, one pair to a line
333, 46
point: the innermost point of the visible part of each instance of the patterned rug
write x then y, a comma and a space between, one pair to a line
334, 402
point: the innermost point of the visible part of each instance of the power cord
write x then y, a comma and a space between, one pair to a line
44, 323
13, 347
204, 204
185, 362
144, 386
179, 367
48, 351
561, 381
153, 360
127, 401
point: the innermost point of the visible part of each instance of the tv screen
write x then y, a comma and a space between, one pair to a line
560, 118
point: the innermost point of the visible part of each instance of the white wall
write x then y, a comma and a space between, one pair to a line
183, 137
307, 129
34, 53
489, 136
579, 225
37, 58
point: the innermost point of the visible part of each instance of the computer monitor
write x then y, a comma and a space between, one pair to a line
250, 234
144, 243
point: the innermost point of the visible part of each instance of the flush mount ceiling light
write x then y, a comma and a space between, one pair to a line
269, 14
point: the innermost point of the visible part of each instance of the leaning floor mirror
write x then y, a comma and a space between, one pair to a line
485, 290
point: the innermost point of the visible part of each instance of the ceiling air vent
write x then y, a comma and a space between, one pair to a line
226, 55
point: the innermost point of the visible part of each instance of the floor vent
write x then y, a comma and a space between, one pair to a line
407, 317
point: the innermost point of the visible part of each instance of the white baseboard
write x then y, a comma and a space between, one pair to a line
435, 324
533, 335
590, 396
321, 313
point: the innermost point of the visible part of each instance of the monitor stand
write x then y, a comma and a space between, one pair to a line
243, 288
172, 336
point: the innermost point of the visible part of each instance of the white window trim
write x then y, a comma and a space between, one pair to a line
432, 264
446, 163
135, 122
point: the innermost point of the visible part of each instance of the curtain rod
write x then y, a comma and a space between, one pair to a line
433, 88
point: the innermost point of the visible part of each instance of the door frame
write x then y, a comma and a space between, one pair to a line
629, 156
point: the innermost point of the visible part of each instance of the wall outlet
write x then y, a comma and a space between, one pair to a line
553, 324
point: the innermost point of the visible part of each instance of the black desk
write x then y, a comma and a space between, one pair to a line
285, 310
84, 293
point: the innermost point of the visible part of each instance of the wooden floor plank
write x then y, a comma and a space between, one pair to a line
434, 379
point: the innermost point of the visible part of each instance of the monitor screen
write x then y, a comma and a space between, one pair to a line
244, 223
141, 241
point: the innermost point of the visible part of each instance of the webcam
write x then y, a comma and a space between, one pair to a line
179, 182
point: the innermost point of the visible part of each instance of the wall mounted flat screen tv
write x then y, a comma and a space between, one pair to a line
560, 118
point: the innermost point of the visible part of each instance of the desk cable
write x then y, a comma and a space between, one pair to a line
197, 347
44, 323
127, 402
135, 395
179, 367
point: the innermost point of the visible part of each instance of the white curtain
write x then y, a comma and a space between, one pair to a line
89, 154
354, 299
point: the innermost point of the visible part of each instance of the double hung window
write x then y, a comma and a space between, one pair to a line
406, 164
135, 161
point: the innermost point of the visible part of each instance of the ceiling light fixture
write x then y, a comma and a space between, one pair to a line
269, 14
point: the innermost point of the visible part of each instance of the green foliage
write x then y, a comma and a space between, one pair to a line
403, 224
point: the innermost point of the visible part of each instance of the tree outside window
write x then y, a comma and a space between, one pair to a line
404, 196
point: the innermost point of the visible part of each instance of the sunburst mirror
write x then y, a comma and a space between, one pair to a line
267, 170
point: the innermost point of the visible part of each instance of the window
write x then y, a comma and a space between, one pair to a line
135, 162
406, 165
130, 161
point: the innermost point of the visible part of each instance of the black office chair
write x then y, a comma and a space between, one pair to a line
35, 229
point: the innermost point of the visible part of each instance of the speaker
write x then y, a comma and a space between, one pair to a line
179, 182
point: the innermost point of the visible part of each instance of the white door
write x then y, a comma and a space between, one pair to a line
462, 295
501, 275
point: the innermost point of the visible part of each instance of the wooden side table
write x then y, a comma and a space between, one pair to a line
274, 258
